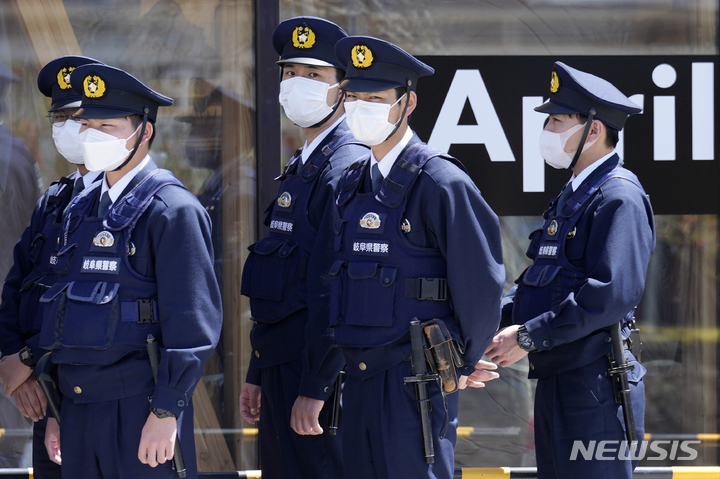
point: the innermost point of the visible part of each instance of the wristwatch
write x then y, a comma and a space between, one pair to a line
524, 340
26, 357
162, 413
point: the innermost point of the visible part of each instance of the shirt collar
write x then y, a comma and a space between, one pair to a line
89, 177
576, 181
386, 164
308, 149
122, 183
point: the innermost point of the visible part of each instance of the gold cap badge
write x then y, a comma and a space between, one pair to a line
554, 83
63, 78
553, 228
362, 56
285, 200
94, 86
370, 221
104, 239
303, 37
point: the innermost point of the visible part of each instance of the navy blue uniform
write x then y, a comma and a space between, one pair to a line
428, 220
30, 276
590, 261
145, 268
285, 277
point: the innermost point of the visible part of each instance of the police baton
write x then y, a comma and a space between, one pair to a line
618, 372
46, 377
335, 413
154, 353
421, 378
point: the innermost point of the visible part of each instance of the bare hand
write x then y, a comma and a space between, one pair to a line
480, 376
250, 403
157, 443
13, 373
30, 399
504, 349
305, 414
52, 440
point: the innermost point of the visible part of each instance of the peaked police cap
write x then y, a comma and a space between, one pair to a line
573, 91
309, 41
54, 81
377, 65
108, 92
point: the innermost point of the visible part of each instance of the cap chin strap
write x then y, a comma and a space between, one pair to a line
335, 108
402, 115
146, 110
586, 131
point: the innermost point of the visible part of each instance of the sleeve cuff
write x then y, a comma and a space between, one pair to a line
170, 399
315, 387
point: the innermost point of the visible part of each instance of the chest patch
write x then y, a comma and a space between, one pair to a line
548, 251
284, 227
371, 247
100, 265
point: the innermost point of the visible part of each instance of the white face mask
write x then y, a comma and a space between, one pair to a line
368, 121
305, 100
552, 147
67, 141
102, 151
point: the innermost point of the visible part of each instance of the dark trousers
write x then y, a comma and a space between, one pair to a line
43, 467
101, 440
382, 433
284, 454
579, 405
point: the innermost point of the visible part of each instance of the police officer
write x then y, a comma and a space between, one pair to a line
31, 273
294, 365
590, 259
135, 260
415, 239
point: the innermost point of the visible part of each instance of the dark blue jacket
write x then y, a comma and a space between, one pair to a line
299, 326
610, 248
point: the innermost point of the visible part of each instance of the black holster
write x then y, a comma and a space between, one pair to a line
46, 377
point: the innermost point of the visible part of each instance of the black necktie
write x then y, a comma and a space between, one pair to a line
79, 186
104, 204
377, 177
565, 195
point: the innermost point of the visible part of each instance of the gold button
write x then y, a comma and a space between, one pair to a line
362, 366
532, 366
257, 354
77, 389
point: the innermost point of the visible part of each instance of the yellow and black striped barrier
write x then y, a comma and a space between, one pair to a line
671, 472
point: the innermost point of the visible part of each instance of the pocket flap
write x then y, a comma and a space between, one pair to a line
270, 244
286, 249
53, 292
84, 291
66, 249
335, 268
339, 224
31, 279
362, 270
387, 275
539, 275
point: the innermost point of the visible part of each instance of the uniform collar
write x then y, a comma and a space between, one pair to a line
89, 178
309, 149
119, 187
386, 164
576, 181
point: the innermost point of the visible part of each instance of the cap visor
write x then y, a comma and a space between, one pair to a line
96, 113
64, 104
364, 85
553, 108
305, 61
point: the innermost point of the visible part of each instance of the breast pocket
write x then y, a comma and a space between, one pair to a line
274, 279
80, 314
